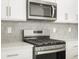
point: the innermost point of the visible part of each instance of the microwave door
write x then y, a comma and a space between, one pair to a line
47, 11
36, 9
40, 10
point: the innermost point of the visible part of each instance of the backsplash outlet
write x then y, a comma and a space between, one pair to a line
9, 30
54, 30
69, 29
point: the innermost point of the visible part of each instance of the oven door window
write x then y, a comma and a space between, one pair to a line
40, 10
58, 55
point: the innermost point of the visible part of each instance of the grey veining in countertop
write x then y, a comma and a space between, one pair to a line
17, 27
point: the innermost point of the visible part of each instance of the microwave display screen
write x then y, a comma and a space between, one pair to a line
37, 9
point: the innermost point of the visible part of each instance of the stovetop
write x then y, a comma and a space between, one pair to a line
44, 42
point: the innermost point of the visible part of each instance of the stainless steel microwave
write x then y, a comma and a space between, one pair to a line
41, 10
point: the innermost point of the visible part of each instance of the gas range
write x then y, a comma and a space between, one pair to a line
44, 47
41, 40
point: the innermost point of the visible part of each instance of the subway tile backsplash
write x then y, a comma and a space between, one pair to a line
57, 30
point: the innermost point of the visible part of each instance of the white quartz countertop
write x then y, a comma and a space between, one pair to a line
24, 44
69, 40
16, 44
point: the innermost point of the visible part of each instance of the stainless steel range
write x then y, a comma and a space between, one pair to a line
44, 47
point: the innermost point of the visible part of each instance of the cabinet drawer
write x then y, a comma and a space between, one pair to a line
73, 51
72, 45
73, 57
17, 54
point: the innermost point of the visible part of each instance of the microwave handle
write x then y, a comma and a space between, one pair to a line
53, 11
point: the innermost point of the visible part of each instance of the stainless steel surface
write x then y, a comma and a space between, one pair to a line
41, 38
53, 11
52, 47
38, 17
42, 2
29, 32
43, 45
49, 51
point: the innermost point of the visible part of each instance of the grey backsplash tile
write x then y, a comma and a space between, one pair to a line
17, 27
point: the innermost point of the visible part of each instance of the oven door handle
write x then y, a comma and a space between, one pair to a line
49, 51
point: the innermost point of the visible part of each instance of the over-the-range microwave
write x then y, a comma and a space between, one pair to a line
41, 10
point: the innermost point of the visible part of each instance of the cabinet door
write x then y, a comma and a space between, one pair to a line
72, 10
4, 9
72, 50
67, 11
61, 10
17, 10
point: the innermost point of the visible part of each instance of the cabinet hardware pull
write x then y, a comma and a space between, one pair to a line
7, 11
76, 56
12, 55
75, 46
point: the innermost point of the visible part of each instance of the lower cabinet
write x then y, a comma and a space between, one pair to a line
72, 50
17, 53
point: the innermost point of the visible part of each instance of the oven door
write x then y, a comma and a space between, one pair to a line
42, 11
54, 54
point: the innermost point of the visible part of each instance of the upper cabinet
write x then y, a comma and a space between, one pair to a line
4, 9
14, 10
67, 11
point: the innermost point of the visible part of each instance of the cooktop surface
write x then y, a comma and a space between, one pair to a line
44, 42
